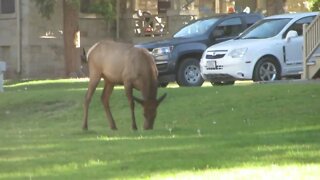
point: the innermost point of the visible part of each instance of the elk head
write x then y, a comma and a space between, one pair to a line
149, 110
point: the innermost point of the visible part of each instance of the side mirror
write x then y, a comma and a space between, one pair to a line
291, 34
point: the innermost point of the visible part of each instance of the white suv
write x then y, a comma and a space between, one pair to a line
267, 51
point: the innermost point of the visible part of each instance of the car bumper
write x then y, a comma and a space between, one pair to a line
165, 64
166, 67
226, 69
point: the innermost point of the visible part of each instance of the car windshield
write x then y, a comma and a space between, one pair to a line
197, 28
265, 29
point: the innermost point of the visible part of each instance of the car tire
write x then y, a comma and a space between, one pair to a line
189, 73
266, 69
221, 83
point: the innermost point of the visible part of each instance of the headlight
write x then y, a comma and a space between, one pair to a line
238, 53
162, 51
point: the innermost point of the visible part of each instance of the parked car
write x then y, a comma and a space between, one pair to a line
268, 50
178, 58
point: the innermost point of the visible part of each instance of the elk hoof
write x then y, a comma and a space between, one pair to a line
114, 128
85, 128
134, 128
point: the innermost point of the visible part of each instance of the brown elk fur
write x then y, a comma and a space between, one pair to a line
119, 63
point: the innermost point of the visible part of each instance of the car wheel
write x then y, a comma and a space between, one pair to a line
189, 73
221, 83
266, 69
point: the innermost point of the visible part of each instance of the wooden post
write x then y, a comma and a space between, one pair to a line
305, 74
217, 8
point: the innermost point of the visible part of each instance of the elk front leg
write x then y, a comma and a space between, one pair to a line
93, 83
129, 91
108, 88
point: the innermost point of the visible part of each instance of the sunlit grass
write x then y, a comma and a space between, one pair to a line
43, 82
274, 172
246, 131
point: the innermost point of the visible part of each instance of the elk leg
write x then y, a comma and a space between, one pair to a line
129, 91
93, 83
105, 101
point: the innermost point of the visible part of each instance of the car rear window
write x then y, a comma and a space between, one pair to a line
197, 28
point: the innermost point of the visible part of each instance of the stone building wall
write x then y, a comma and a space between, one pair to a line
8, 42
39, 56
41, 41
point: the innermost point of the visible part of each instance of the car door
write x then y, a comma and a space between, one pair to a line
293, 47
227, 29
293, 50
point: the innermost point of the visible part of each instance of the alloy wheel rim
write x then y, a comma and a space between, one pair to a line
268, 71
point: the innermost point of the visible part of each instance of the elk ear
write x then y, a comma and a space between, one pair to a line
138, 100
162, 98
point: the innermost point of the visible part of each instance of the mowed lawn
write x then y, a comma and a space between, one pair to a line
246, 131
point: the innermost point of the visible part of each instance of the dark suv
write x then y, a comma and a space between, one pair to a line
178, 58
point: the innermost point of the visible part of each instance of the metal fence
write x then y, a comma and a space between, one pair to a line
152, 25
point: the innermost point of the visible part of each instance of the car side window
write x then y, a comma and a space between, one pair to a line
298, 25
251, 20
228, 28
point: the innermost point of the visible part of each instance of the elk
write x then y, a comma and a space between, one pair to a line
123, 64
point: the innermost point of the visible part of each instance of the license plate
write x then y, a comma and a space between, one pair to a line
211, 64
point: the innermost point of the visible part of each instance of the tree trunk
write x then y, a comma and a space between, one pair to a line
275, 7
70, 30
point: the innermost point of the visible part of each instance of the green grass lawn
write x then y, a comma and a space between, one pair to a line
246, 131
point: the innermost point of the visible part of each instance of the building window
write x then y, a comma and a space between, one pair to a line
7, 6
